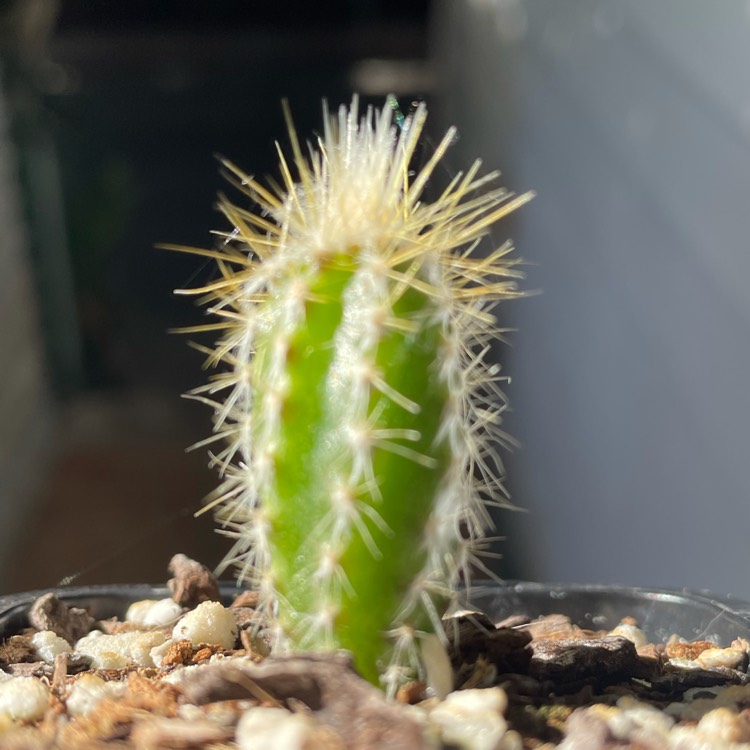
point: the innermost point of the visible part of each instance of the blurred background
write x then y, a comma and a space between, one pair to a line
631, 120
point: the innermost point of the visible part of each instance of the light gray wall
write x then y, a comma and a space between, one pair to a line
631, 372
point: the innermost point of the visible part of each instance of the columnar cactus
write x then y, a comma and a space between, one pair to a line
358, 408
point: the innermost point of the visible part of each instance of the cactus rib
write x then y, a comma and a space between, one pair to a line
358, 408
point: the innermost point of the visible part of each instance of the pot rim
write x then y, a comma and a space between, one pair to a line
689, 613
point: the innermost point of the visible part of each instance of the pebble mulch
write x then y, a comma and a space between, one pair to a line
188, 672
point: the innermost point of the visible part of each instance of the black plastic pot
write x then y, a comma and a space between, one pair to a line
660, 613
101, 601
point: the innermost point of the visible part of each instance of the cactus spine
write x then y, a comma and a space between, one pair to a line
358, 411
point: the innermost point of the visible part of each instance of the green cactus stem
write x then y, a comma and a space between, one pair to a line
358, 411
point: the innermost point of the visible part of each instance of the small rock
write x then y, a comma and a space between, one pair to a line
552, 626
587, 728
18, 648
682, 650
24, 698
571, 660
179, 652
480, 674
630, 723
472, 719
50, 613
675, 681
729, 658
208, 623
652, 652
723, 726
88, 690
193, 583
203, 654
31, 669
477, 637
631, 632
248, 599
120, 650
263, 728
149, 613
411, 693
48, 645
256, 644
78, 663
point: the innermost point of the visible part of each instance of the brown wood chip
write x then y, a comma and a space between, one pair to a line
574, 659
355, 710
247, 599
178, 734
193, 583
179, 652
50, 613
680, 650
17, 648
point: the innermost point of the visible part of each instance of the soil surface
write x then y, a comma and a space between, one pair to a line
520, 683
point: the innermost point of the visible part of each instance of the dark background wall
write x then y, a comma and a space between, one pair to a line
114, 115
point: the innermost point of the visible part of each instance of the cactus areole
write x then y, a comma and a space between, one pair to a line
356, 407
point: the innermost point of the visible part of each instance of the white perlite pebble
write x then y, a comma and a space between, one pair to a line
120, 650
152, 613
699, 701
263, 728
723, 725
23, 698
472, 719
48, 645
643, 725
208, 623
629, 721
177, 676
158, 653
729, 658
88, 690
189, 672
634, 634
137, 610
631, 715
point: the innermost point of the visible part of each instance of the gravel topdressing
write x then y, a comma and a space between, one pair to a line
189, 672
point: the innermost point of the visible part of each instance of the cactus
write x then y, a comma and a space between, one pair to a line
358, 411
